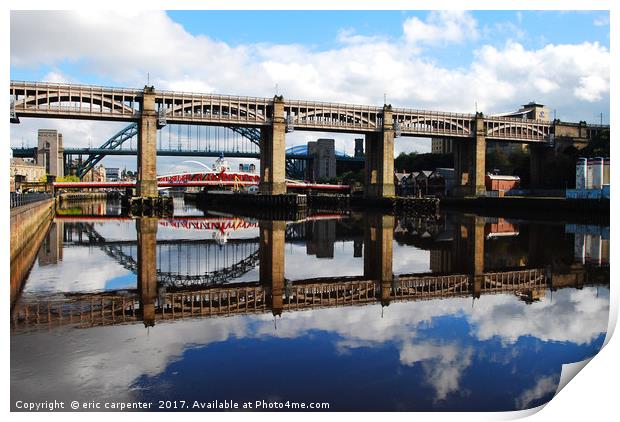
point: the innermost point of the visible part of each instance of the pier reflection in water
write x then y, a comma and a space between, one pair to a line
459, 312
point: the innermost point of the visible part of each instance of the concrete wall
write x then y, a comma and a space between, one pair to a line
29, 226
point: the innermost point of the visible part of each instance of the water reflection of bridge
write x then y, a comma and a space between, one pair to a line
203, 261
88, 310
154, 300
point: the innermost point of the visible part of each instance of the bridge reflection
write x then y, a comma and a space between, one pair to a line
463, 269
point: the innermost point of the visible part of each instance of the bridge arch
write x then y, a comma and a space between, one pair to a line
117, 140
172, 275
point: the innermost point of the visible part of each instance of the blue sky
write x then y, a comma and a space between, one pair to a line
431, 60
319, 29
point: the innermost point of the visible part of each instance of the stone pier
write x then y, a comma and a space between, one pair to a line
147, 146
477, 254
378, 238
470, 162
147, 267
272, 152
380, 159
271, 256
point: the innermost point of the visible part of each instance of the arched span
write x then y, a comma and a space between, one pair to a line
131, 131
435, 124
179, 279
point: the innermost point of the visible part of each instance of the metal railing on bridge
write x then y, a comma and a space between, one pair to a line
19, 199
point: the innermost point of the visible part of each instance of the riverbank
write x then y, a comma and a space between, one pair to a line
82, 196
29, 225
291, 206
545, 208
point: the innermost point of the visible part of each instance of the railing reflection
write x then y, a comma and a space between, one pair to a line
467, 270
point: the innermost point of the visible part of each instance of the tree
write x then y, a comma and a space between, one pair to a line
497, 159
597, 147
69, 178
416, 162
559, 169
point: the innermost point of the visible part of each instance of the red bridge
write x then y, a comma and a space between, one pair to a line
201, 179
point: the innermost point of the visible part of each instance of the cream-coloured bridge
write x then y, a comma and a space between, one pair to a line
35, 99
275, 116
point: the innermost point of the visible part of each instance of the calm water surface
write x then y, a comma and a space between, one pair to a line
364, 312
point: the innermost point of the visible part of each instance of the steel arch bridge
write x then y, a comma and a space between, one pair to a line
250, 147
174, 275
243, 254
187, 141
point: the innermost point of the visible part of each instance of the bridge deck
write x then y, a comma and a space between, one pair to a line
61, 100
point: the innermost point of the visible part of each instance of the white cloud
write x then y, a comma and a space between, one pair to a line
544, 386
601, 21
113, 366
348, 36
70, 274
591, 88
441, 27
443, 365
585, 317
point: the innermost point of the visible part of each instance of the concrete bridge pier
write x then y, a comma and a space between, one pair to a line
147, 146
538, 158
477, 258
479, 157
271, 266
378, 239
461, 167
379, 150
272, 152
147, 267
468, 251
470, 162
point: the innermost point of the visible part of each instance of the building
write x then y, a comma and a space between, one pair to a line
113, 174
50, 152
321, 159
400, 183
409, 184
421, 182
502, 183
440, 260
23, 170
441, 181
592, 179
247, 168
533, 110
96, 174
442, 146
359, 147
52, 248
321, 236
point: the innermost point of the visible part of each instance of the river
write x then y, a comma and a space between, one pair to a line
360, 311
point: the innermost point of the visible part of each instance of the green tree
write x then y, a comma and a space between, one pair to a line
69, 178
416, 162
597, 147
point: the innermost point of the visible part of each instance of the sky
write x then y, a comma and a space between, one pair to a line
490, 61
